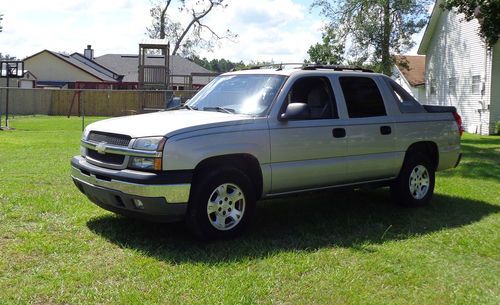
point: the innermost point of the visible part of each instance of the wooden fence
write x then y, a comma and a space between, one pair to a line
91, 102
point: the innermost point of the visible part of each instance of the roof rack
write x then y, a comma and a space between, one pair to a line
304, 66
278, 66
335, 67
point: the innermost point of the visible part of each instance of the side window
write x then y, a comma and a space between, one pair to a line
362, 97
317, 93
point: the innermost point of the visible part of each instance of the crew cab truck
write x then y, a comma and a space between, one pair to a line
263, 133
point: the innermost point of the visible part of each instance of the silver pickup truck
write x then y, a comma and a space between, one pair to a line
263, 133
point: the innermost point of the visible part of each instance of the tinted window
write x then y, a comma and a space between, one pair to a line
317, 93
362, 97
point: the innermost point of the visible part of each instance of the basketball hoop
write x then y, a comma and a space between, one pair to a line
9, 69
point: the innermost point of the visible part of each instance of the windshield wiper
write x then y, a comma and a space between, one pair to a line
185, 106
220, 109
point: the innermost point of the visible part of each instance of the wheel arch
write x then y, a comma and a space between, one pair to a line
429, 148
247, 163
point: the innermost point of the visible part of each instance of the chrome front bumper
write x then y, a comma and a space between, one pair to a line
172, 193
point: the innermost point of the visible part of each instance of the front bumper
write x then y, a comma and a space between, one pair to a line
153, 196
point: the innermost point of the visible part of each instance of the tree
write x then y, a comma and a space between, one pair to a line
1, 19
217, 65
330, 51
7, 57
375, 29
223, 65
486, 11
186, 38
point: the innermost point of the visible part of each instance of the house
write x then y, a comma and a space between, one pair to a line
461, 71
69, 71
111, 71
184, 74
409, 72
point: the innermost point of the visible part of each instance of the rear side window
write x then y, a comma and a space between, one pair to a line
362, 97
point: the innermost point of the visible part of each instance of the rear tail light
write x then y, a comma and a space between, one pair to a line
458, 119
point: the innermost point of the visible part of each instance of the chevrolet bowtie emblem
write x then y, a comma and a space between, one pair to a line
101, 148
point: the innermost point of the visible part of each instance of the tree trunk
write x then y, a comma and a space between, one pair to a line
386, 40
162, 22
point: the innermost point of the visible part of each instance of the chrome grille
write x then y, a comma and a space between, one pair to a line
112, 159
109, 138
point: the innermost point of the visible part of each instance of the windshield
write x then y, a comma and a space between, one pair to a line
240, 94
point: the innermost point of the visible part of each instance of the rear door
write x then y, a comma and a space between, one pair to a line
306, 154
370, 130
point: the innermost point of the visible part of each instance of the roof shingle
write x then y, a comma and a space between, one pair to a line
413, 68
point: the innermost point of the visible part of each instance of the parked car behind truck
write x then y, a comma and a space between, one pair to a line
264, 133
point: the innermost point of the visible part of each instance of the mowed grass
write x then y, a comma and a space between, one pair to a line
349, 247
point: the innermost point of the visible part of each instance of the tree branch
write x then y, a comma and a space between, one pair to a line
196, 18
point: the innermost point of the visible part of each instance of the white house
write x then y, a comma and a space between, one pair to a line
461, 71
409, 72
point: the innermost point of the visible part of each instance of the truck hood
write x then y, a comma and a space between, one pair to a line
167, 123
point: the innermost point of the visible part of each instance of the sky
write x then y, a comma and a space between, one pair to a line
277, 30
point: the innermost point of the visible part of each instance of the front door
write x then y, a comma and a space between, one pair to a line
307, 153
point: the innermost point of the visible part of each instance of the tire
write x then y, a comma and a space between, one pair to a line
415, 184
221, 205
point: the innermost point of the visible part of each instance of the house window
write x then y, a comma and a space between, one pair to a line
476, 84
432, 86
452, 86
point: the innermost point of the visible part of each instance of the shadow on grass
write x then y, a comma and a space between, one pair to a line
478, 162
349, 219
489, 140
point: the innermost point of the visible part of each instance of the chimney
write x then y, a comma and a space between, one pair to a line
89, 52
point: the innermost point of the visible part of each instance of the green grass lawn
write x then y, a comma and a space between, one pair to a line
350, 247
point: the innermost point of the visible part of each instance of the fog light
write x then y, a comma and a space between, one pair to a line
145, 163
138, 204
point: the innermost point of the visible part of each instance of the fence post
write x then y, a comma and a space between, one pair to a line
82, 110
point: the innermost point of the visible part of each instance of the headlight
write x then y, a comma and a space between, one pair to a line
148, 163
149, 143
85, 133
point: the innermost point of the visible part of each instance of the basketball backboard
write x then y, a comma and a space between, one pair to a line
12, 69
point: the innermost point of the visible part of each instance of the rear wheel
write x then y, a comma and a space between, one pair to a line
415, 183
222, 204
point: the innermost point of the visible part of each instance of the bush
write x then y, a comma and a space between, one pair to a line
497, 128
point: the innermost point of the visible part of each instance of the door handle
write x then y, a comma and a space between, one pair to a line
385, 130
338, 132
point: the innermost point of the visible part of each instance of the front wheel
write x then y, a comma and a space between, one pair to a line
222, 204
415, 183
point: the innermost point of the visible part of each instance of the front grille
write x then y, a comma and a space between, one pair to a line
109, 138
106, 158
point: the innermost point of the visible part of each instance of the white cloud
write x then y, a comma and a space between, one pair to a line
110, 26
279, 30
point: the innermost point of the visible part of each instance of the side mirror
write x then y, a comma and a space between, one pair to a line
175, 102
296, 111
